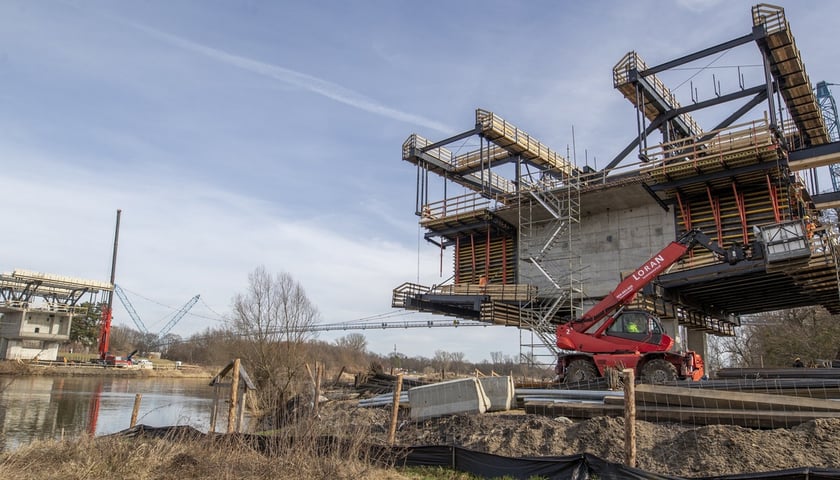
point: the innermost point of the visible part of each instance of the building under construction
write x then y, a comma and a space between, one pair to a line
537, 239
37, 311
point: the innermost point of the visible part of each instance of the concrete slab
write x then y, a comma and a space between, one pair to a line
500, 392
447, 398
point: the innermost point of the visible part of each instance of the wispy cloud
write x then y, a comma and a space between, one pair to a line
297, 79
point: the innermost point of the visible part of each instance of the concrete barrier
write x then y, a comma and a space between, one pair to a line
447, 398
500, 392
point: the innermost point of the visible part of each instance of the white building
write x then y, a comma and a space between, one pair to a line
36, 312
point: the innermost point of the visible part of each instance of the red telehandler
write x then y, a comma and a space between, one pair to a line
608, 335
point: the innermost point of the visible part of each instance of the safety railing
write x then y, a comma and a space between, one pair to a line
621, 76
416, 142
771, 16
453, 206
750, 136
403, 292
493, 126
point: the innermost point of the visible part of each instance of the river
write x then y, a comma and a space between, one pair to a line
40, 407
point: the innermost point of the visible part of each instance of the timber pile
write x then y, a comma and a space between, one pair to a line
659, 403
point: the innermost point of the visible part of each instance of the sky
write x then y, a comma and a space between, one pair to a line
240, 134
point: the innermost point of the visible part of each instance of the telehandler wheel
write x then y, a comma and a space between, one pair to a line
658, 371
580, 371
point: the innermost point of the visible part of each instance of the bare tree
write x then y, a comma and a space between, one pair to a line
457, 359
775, 339
442, 360
497, 358
355, 342
273, 318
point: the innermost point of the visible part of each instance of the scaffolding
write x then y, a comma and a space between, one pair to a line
549, 224
517, 238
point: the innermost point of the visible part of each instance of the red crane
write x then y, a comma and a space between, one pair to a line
105, 328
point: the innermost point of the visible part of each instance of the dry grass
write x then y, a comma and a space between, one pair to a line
179, 459
298, 450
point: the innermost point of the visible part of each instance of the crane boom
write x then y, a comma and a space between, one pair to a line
178, 316
107, 310
607, 335
130, 309
627, 289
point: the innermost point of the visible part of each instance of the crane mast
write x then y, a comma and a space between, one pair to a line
105, 328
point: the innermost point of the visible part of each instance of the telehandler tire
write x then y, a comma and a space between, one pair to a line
658, 371
581, 370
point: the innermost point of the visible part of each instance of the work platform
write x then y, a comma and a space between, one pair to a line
537, 238
37, 311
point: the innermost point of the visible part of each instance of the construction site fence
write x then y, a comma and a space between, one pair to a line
582, 466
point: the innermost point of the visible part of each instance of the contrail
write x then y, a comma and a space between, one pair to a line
307, 82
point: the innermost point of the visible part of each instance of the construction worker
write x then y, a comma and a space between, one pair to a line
797, 363
632, 327
427, 212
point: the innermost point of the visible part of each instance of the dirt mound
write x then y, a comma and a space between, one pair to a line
672, 449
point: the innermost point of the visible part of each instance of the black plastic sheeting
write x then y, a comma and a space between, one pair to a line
571, 467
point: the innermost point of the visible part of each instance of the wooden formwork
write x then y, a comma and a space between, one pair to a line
727, 149
485, 255
692, 319
727, 216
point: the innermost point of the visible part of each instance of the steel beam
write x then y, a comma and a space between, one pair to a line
700, 54
447, 141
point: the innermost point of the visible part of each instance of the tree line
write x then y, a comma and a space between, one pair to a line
271, 328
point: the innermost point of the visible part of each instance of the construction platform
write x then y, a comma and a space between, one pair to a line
537, 238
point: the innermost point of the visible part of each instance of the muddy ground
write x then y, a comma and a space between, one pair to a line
672, 449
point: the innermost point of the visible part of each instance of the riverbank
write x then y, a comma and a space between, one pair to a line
13, 368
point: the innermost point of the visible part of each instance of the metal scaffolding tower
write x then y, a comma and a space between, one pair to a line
549, 221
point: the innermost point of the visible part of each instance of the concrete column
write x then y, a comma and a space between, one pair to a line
672, 329
697, 342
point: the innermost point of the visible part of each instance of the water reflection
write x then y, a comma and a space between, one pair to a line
39, 407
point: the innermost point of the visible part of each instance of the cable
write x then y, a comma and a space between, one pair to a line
720, 66
702, 68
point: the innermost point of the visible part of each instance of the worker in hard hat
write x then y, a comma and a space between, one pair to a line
797, 362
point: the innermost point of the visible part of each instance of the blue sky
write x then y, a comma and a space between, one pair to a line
235, 134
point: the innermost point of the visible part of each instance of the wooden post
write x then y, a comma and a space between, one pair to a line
135, 410
215, 412
338, 377
319, 371
629, 417
234, 391
392, 433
